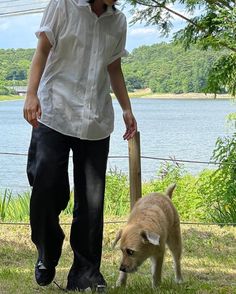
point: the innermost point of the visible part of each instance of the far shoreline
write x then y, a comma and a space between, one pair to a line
147, 94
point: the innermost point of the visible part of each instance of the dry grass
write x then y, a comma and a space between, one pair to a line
147, 93
208, 262
10, 97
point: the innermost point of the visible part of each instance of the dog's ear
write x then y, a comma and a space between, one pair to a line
150, 238
118, 236
169, 190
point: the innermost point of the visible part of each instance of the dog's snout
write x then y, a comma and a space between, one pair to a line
123, 268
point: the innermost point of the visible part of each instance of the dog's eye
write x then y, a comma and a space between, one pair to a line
129, 252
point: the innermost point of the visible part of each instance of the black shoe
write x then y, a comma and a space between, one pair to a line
44, 275
78, 281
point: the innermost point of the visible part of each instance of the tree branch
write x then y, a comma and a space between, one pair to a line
162, 6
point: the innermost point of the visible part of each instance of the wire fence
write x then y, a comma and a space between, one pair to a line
127, 157
142, 157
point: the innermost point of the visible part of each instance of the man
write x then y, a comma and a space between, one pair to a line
68, 103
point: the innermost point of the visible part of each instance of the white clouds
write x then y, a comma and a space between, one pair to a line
18, 31
142, 35
143, 31
4, 26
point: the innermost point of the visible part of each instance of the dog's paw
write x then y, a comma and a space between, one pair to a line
120, 283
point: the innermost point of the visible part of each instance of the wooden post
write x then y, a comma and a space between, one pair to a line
135, 169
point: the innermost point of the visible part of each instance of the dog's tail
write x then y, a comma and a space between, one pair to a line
170, 189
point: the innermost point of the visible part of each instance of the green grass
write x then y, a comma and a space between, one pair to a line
208, 258
208, 263
14, 207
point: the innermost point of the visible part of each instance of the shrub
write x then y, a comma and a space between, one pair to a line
14, 208
186, 198
220, 189
117, 201
3, 90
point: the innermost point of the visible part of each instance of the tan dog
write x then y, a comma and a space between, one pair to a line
153, 222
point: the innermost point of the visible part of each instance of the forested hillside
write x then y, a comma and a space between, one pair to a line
167, 68
14, 68
164, 68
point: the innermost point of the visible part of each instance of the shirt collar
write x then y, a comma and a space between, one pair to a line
83, 3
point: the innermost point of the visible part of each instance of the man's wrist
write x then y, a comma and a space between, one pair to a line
31, 93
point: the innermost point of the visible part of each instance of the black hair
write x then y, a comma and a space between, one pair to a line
105, 6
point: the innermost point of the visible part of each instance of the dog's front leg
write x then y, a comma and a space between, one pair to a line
121, 279
156, 270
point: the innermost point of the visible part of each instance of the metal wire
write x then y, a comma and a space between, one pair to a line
143, 157
22, 12
12, 1
19, 7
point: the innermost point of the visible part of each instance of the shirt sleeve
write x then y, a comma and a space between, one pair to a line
120, 50
50, 22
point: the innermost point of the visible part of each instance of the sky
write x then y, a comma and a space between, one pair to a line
18, 32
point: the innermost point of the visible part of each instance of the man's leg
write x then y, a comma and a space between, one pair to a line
90, 161
48, 174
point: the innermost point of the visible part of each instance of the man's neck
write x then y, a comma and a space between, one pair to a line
98, 7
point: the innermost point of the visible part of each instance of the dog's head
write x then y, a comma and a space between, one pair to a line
136, 246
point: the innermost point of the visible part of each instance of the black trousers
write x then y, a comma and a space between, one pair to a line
47, 171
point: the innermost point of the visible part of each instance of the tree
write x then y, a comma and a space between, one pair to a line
167, 68
214, 26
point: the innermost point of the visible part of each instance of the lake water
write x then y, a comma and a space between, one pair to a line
181, 129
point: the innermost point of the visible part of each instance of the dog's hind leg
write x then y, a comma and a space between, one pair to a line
174, 243
122, 279
156, 269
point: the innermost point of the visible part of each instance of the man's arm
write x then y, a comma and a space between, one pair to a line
119, 89
32, 108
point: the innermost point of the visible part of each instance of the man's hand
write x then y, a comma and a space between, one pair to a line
32, 110
119, 88
131, 125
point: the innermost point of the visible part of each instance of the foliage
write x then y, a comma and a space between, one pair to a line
117, 193
188, 201
4, 90
166, 68
220, 189
117, 201
14, 67
213, 24
223, 75
4, 203
208, 196
231, 121
14, 207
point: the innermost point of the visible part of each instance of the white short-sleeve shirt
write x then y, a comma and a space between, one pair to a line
74, 90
